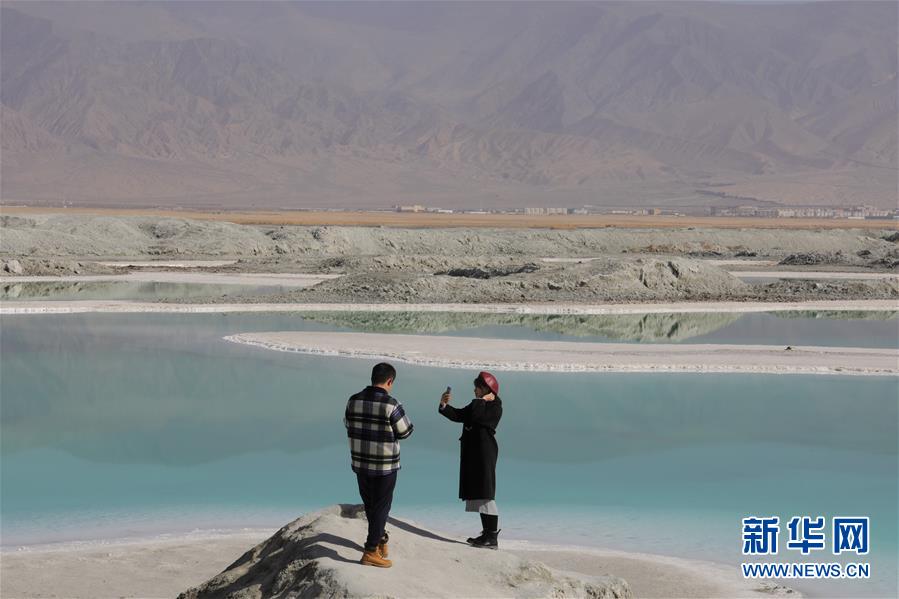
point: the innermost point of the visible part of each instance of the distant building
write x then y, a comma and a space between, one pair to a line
854, 212
540, 211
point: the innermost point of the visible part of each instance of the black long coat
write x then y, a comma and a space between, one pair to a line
477, 467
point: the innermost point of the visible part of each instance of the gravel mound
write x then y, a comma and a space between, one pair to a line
632, 279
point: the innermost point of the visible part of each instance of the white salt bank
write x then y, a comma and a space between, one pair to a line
568, 356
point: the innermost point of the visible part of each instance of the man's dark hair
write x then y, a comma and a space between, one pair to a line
382, 373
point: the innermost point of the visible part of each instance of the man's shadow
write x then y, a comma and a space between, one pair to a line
316, 550
276, 555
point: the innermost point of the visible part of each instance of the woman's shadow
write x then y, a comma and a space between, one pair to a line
405, 526
355, 510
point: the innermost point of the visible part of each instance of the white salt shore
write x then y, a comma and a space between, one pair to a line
713, 261
814, 275
569, 356
125, 306
208, 278
166, 567
169, 263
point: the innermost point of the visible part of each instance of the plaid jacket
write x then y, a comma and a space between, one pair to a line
375, 422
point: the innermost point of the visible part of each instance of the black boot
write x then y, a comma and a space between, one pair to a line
477, 539
485, 526
488, 540
490, 525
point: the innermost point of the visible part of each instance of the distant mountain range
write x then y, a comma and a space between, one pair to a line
470, 104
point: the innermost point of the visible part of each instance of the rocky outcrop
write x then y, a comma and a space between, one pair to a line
317, 555
13, 267
53, 267
619, 279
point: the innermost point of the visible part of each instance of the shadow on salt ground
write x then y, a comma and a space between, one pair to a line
420, 531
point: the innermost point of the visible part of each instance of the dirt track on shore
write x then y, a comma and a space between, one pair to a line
493, 221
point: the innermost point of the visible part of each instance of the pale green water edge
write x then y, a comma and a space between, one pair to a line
126, 290
116, 425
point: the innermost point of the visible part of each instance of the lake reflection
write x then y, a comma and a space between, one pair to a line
869, 329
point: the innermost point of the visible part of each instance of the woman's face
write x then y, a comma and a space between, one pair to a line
480, 391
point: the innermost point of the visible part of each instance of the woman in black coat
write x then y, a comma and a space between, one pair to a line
477, 468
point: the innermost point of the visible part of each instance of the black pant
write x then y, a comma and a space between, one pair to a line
377, 495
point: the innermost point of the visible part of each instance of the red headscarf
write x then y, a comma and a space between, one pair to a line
490, 381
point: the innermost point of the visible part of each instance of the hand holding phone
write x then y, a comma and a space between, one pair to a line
447, 395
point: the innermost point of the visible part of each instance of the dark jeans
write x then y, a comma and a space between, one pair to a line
377, 495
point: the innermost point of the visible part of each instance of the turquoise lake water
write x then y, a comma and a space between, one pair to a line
133, 425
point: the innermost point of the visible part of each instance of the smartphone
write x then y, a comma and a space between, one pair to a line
448, 388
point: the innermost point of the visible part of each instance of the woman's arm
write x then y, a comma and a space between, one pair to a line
449, 411
453, 414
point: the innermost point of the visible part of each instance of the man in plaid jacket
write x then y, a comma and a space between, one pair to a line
375, 422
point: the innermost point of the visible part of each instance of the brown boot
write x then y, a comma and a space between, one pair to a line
373, 558
382, 546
